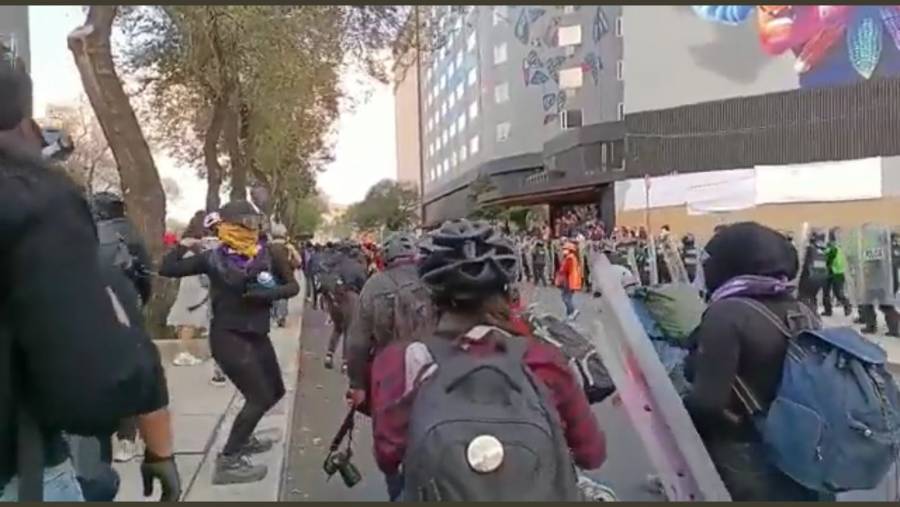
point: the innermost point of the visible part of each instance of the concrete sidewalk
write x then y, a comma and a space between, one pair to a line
202, 416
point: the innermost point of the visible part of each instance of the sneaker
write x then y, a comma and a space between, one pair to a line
186, 359
258, 445
329, 361
126, 450
573, 315
237, 469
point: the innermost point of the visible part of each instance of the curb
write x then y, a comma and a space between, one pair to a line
289, 419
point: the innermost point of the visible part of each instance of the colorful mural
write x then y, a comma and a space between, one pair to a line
832, 44
537, 28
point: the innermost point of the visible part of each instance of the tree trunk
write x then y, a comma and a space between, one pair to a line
141, 185
211, 155
238, 163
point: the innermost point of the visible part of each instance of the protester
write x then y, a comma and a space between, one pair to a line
73, 355
189, 314
745, 260
568, 278
246, 276
468, 268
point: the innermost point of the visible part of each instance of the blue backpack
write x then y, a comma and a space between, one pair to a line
834, 425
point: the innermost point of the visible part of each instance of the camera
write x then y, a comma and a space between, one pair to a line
339, 462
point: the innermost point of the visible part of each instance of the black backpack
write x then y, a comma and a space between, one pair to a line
406, 313
482, 428
113, 249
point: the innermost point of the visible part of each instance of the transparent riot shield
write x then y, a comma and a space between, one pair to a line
632, 263
673, 260
649, 398
801, 243
869, 276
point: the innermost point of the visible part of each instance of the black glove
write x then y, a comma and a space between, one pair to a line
166, 471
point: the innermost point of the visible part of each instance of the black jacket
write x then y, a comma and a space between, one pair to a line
66, 354
140, 274
237, 303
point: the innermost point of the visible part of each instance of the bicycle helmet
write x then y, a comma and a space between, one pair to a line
211, 220
465, 260
399, 244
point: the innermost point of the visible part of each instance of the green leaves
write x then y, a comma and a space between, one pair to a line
388, 204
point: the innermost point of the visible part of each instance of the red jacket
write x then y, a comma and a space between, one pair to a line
391, 408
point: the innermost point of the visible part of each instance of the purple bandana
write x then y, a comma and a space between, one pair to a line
752, 286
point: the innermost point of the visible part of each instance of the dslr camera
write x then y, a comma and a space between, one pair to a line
340, 462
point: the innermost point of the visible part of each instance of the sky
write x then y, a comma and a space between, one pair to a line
364, 149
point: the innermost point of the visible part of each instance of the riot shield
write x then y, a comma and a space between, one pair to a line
649, 398
673, 260
869, 276
801, 243
632, 263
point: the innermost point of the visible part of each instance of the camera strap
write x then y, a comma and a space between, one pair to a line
344, 431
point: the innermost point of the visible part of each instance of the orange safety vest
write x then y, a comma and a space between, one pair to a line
571, 270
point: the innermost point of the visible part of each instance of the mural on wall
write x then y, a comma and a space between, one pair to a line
538, 29
832, 44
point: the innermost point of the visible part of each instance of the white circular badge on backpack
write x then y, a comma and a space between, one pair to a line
485, 454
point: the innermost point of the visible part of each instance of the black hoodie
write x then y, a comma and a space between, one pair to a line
733, 338
64, 350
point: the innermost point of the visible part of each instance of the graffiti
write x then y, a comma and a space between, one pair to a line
561, 100
553, 65
600, 27
832, 44
593, 64
551, 34
539, 77
548, 100
521, 29
550, 118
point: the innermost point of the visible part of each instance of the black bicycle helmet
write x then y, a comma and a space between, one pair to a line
399, 244
107, 206
465, 260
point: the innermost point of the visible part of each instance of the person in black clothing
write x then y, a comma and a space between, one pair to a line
114, 228
539, 263
245, 276
73, 355
814, 272
350, 271
690, 256
734, 340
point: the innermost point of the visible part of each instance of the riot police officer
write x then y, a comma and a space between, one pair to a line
689, 255
814, 272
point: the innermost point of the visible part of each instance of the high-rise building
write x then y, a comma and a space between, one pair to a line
527, 96
14, 30
407, 122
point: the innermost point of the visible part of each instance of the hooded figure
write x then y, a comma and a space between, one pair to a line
246, 276
744, 261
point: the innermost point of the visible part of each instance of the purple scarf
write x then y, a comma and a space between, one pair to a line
236, 259
752, 286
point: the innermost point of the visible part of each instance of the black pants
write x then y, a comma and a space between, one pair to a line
749, 477
249, 361
808, 294
835, 285
891, 317
539, 277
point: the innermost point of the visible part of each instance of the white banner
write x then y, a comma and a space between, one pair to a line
846, 180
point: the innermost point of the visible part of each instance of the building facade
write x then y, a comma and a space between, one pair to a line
14, 30
512, 90
784, 92
407, 121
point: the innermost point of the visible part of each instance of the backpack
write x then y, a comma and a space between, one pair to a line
482, 428
405, 313
582, 355
677, 308
113, 249
834, 424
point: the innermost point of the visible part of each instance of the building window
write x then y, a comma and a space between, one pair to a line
568, 9
620, 70
459, 60
435, 90
471, 42
446, 137
473, 145
451, 101
459, 91
428, 74
570, 119
461, 123
442, 83
571, 77
472, 77
463, 153
500, 14
569, 35
453, 160
446, 165
501, 91
437, 143
499, 53
451, 67
452, 130
621, 111
430, 149
443, 109
473, 110
503, 131
619, 22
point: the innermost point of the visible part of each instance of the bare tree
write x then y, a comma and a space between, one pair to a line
92, 163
